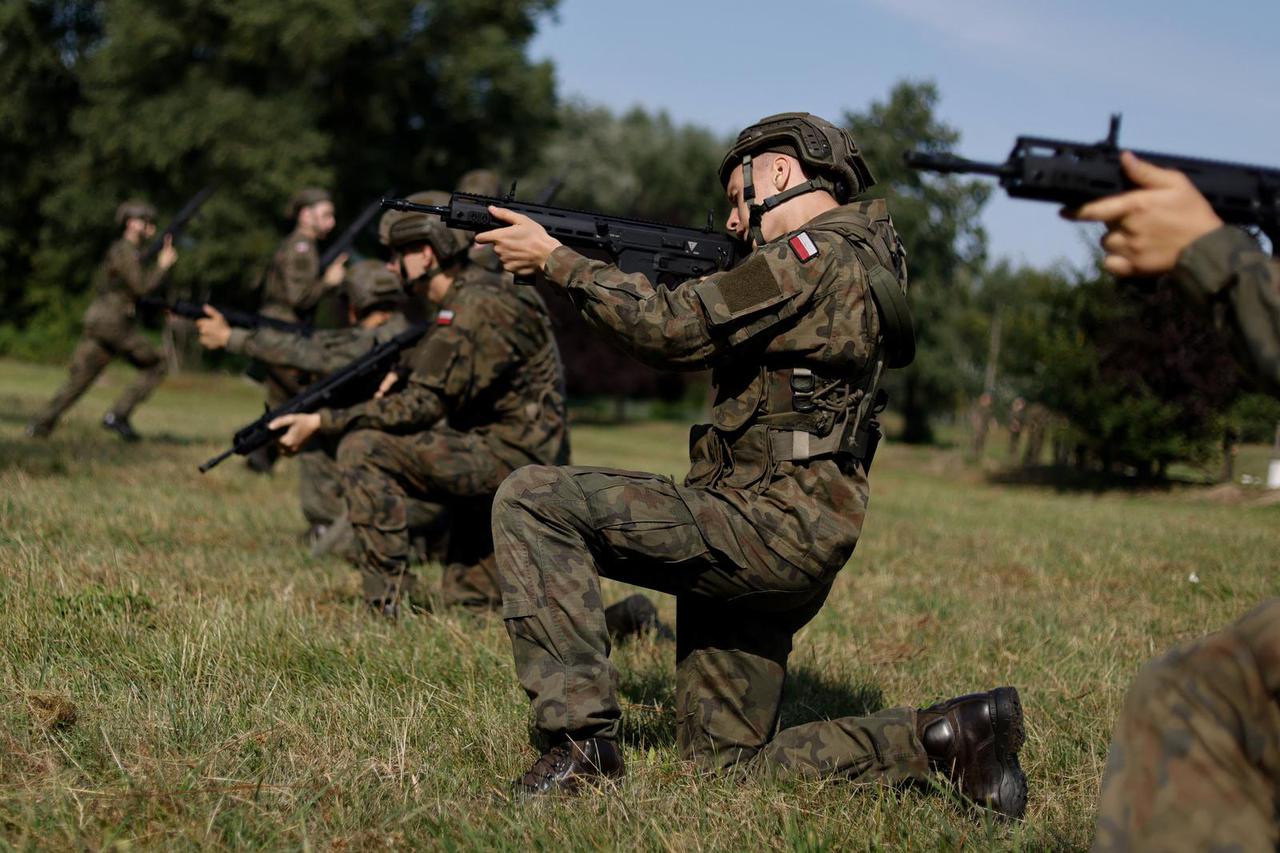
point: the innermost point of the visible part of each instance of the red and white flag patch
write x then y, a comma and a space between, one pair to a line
802, 244
444, 318
302, 246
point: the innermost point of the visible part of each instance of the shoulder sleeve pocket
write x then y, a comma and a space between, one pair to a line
742, 291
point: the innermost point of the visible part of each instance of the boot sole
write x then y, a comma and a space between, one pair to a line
1010, 735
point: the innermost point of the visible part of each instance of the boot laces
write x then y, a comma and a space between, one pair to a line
552, 762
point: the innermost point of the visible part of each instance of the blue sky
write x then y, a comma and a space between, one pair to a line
1197, 78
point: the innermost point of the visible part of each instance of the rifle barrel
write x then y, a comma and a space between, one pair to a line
950, 163
414, 207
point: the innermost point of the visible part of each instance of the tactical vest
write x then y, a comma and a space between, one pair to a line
769, 413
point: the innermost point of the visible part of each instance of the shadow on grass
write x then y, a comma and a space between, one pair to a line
1066, 479
809, 695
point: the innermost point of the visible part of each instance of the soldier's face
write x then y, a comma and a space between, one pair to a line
319, 218
737, 222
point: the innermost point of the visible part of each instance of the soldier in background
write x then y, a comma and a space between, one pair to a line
1195, 759
980, 424
485, 395
292, 286
772, 506
375, 302
1017, 415
110, 326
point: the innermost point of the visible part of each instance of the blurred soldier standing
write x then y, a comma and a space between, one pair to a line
771, 509
485, 395
375, 300
1195, 759
292, 286
110, 327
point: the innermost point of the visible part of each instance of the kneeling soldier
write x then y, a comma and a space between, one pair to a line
484, 396
771, 509
375, 300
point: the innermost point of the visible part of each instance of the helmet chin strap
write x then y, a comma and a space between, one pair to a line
756, 212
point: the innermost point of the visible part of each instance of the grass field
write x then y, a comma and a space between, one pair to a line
175, 671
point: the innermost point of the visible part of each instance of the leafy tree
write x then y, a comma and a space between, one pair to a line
937, 218
260, 99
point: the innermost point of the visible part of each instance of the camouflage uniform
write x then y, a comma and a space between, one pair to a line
1228, 265
752, 540
1195, 763
485, 396
1195, 759
320, 353
293, 283
111, 331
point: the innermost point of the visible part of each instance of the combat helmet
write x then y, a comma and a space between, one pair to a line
826, 151
413, 227
134, 209
370, 285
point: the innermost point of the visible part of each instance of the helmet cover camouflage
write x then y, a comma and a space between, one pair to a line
370, 284
413, 227
820, 146
135, 209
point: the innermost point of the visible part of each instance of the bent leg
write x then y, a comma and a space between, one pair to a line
1195, 759
379, 472
87, 363
152, 369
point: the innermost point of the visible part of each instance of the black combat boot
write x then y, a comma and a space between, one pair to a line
38, 429
120, 426
569, 765
634, 616
974, 740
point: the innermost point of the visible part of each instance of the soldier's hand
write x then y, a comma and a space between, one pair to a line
336, 272
1147, 228
298, 428
168, 255
214, 329
388, 382
523, 246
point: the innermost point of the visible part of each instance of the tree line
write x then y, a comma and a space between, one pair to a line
111, 98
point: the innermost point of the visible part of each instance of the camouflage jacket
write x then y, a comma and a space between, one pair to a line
1228, 263
117, 284
488, 365
799, 302
320, 352
293, 284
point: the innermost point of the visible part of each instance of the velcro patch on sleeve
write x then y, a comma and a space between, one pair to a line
746, 288
803, 247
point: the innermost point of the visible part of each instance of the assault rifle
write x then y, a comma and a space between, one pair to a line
1073, 173
174, 229
349, 383
667, 253
347, 237
234, 316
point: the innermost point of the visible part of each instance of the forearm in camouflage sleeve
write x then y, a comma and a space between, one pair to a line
321, 352
415, 408
140, 282
1228, 260
700, 321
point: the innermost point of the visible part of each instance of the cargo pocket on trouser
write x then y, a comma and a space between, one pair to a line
639, 517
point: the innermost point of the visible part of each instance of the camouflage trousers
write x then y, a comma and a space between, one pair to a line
1195, 760
557, 530
320, 484
91, 357
381, 476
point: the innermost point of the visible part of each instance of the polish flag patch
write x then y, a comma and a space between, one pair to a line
802, 244
302, 246
444, 318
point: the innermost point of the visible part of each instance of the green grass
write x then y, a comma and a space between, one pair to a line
175, 671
